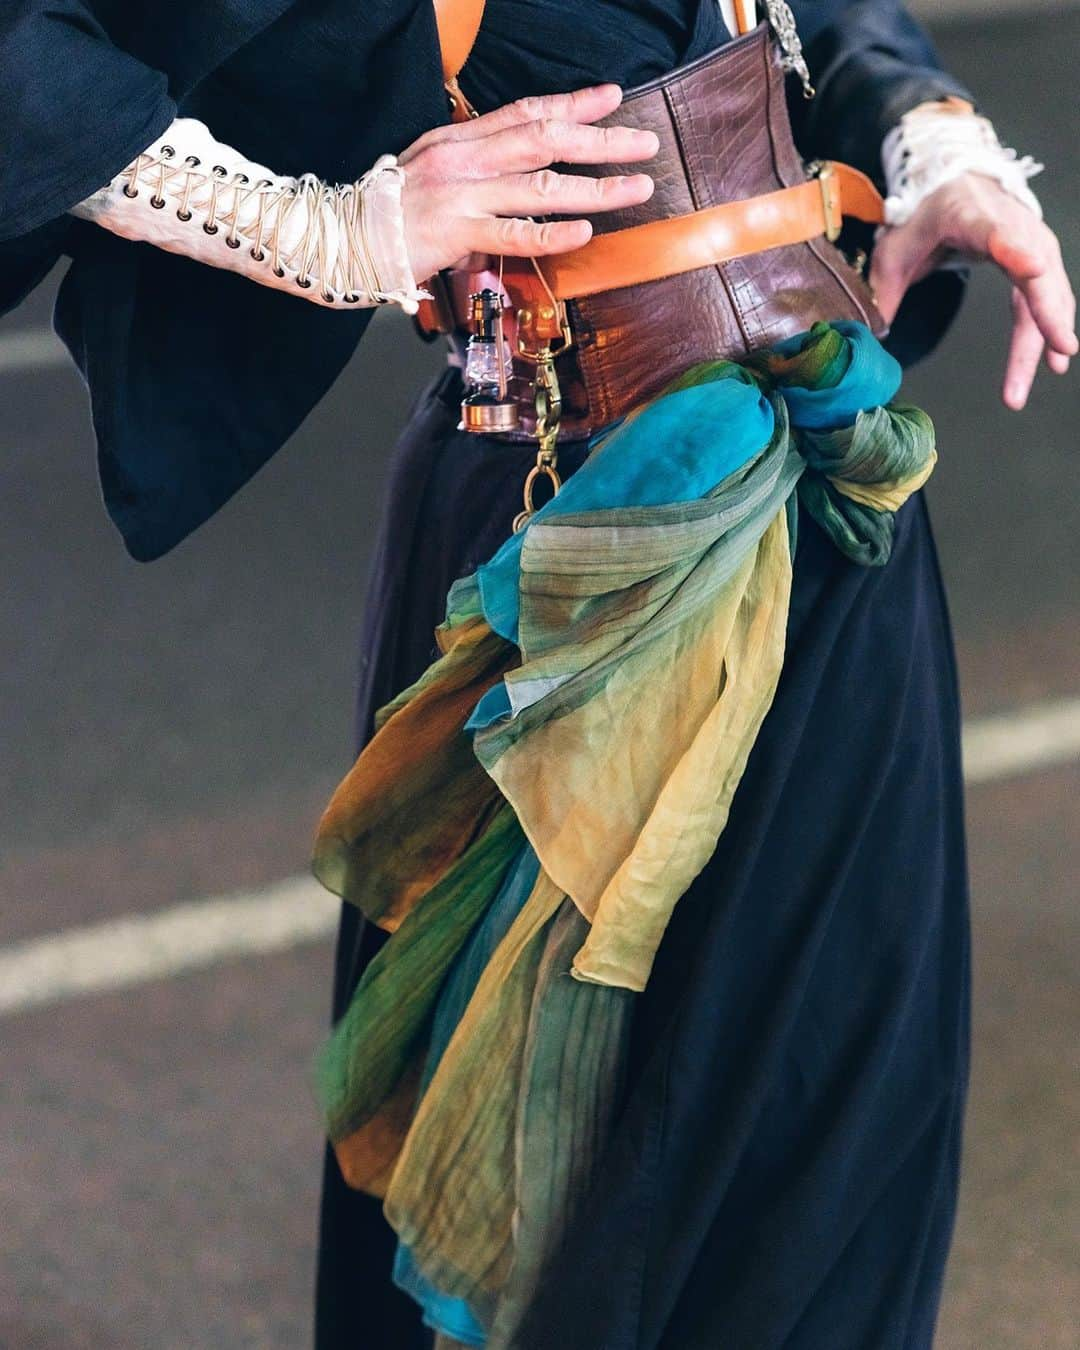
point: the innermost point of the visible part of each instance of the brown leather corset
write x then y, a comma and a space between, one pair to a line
724, 136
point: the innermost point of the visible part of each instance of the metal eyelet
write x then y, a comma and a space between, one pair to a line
167, 152
131, 192
351, 299
210, 229
193, 160
183, 215
304, 283
157, 203
232, 243
328, 296
220, 170
242, 178
265, 183
279, 271
258, 254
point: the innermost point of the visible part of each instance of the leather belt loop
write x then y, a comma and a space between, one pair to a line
830, 200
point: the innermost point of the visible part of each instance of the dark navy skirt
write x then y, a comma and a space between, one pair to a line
784, 1169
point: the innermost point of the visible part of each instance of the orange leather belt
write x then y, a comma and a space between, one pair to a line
665, 248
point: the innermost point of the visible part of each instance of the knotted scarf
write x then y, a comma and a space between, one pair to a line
528, 812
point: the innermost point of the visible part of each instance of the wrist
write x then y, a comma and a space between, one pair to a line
939, 142
382, 190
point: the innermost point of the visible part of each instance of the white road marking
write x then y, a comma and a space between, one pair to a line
1035, 737
35, 349
133, 950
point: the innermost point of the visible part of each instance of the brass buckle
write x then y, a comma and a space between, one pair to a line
825, 173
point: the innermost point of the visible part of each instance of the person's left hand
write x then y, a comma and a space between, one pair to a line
975, 216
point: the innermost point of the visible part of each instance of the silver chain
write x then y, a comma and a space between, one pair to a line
782, 22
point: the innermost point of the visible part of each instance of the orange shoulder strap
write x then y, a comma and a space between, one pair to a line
458, 23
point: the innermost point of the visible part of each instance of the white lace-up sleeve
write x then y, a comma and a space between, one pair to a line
332, 244
939, 141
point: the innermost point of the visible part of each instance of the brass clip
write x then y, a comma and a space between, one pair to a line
541, 325
548, 416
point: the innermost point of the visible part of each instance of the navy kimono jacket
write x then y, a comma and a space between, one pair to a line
197, 376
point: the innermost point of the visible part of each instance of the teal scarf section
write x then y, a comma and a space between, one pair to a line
709, 423
647, 603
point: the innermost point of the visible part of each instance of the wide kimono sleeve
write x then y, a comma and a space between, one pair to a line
74, 110
871, 62
196, 375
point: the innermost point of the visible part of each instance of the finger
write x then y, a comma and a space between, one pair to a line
1025, 350
539, 144
582, 106
547, 192
1057, 361
526, 238
1053, 307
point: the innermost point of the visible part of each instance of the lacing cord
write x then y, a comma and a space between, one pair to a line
333, 243
929, 147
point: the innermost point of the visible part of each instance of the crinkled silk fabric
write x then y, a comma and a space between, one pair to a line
603, 680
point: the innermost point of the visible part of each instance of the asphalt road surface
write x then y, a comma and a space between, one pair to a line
170, 732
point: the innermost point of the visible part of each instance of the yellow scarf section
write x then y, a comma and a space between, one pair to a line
610, 731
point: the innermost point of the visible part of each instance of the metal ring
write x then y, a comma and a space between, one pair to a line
258, 254
210, 229
232, 243
130, 192
157, 203
183, 215
548, 471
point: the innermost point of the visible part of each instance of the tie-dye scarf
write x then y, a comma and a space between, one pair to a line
568, 765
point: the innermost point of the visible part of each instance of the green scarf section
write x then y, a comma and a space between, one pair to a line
602, 683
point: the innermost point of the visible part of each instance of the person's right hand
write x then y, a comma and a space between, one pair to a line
469, 187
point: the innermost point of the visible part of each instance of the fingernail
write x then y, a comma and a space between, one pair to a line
638, 181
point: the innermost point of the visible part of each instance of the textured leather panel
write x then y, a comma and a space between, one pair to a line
724, 136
